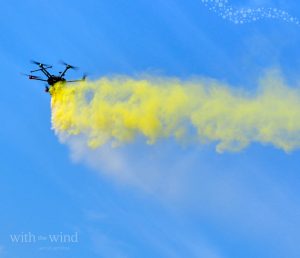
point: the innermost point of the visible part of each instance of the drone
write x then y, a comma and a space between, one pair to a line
52, 79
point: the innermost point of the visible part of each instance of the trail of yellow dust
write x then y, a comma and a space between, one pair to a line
120, 109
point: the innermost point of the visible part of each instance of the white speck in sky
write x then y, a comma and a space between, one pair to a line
247, 15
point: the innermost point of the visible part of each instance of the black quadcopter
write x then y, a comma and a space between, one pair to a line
52, 79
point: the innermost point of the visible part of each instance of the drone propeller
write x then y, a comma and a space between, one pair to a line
69, 66
32, 77
40, 64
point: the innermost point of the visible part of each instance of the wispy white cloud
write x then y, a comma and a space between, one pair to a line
232, 191
145, 168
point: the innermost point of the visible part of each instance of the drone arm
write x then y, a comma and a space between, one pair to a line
75, 81
64, 72
44, 71
83, 79
38, 79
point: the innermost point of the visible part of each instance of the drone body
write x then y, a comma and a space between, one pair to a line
50, 78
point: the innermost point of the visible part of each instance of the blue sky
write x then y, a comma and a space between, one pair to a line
138, 200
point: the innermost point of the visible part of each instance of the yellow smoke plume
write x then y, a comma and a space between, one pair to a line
120, 109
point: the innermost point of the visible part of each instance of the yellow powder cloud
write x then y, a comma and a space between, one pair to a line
120, 109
